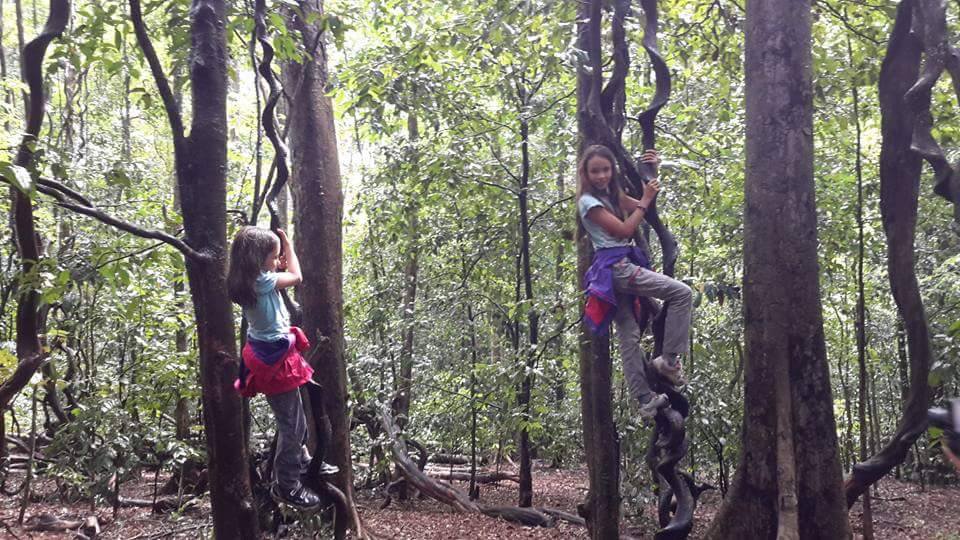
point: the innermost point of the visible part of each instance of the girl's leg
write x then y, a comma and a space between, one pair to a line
633, 279
628, 336
291, 426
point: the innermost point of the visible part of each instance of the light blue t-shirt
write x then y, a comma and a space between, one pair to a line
269, 320
600, 238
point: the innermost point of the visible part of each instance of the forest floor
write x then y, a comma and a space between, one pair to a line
902, 511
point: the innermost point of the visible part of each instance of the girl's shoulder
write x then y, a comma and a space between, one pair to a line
588, 201
265, 282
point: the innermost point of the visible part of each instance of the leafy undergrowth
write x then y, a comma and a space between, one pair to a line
902, 511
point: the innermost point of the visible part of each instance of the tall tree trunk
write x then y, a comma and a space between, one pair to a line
788, 480
601, 509
318, 204
201, 164
403, 391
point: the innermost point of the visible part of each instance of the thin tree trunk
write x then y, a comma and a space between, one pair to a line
861, 319
404, 383
21, 43
474, 490
125, 117
411, 270
7, 95
558, 375
526, 385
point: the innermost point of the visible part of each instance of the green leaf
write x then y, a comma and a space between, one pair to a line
19, 177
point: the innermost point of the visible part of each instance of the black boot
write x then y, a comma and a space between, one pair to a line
301, 497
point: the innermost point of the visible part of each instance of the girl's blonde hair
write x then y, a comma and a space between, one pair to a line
251, 247
614, 189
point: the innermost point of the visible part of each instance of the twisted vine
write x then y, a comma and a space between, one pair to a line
919, 32
930, 23
268, 118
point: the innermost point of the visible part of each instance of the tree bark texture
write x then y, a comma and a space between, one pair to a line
318, 203
788, 479
900, 169
201, 165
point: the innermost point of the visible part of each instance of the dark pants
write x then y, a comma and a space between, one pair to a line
289, 459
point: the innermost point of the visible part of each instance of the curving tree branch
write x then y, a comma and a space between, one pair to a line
268, 116
613, 99
268, 119
81, 205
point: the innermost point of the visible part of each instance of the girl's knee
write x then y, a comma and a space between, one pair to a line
683, 292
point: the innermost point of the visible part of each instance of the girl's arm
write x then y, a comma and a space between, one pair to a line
291, 275
626, 228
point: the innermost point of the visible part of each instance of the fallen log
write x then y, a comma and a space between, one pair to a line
484, 478
565, 516
162, 505
51, 523
531, 517
449, 459
15, 459
447, 494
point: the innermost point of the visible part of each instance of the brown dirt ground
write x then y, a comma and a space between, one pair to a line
901, 512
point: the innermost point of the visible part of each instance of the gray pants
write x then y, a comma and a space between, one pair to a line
288, 460
632, 280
